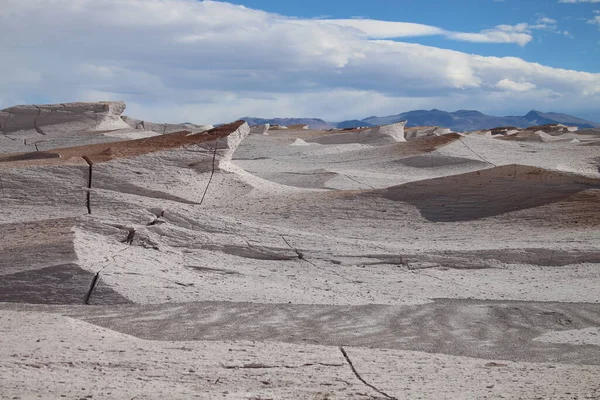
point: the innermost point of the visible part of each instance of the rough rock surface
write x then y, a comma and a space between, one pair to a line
378, 135
163, 129
424, 131
28, 120
303, 264
262, 129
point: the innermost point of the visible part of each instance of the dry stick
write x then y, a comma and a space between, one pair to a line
88, 195
92, 287
212, 173
387, 396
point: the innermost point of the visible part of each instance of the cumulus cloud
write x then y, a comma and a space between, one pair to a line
184, 60
500, 34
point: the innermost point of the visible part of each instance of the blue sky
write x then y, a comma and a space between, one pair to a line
579, 49
215, 61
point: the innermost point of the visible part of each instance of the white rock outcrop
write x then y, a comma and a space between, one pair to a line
424, 131
392, 131
299, 142
379, 135
52, 119
299, 127
164, 128
262, 129
231, 142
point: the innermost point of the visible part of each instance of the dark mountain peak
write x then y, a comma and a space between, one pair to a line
436, 111
468, 113
534, 114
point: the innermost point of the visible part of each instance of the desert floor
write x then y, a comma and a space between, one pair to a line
298, 265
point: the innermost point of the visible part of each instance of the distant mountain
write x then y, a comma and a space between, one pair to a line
460, 121
352, 123
552, 118
313, 123
470, 120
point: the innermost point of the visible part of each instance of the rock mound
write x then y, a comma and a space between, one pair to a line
490, 192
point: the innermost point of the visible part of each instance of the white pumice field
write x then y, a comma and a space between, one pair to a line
143, 260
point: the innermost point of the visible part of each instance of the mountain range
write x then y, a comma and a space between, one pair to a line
459, 121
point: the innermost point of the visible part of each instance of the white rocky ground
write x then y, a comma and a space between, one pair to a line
235, 265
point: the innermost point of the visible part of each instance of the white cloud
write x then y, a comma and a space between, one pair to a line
579, 1
507, 84
184, 60
595, 20
545, 24
375, 29
500, 34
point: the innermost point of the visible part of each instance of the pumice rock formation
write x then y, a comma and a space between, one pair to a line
395, 131
262, 129
379, 262
377, 135
27, 120
164, 128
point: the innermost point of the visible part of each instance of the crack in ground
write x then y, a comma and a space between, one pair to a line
265, 366
298, 252
360, 183
360, 378
303, 258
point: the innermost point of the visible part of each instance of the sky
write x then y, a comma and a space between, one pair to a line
213, 62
